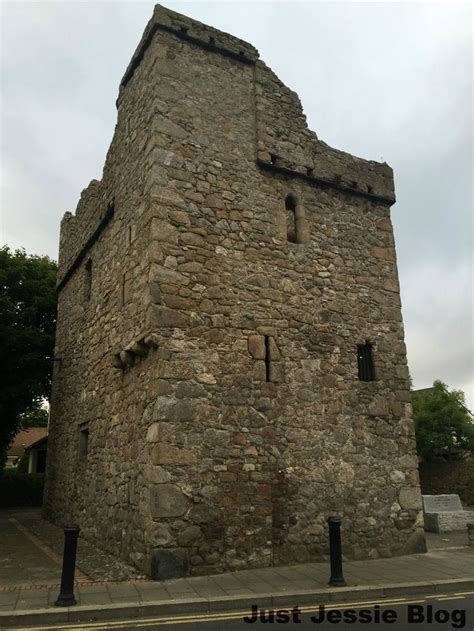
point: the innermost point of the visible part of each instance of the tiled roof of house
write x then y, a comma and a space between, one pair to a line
24, 439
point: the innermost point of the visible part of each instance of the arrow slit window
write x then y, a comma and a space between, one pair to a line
365, 362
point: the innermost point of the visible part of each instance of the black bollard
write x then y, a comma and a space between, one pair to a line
66, 594
335, 551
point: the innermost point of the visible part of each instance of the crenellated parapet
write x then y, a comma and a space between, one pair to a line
284, 143
192, 31
79, 230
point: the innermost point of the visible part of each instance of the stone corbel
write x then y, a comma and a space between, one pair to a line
134, 352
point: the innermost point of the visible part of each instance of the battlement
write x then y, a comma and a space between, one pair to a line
192, 31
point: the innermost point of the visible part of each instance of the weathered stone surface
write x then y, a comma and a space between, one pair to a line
171, 410
213, 359
159, 534
159, 317
167, 564
156, 475
187, 389
167, 500
153, 433
256, 346
409, 497
163, 453
189, 535
161, 230
387, 254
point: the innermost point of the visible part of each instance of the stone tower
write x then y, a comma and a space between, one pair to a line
230, 362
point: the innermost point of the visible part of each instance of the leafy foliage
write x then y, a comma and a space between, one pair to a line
36, 416
443, 424
22, 465
27, 327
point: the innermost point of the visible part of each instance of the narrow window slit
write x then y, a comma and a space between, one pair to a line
365, 362
291, 228
268, 361
309, 171
83, 443
273, 158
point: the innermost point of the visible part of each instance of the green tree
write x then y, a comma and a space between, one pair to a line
443, 424
36, 416
27, 327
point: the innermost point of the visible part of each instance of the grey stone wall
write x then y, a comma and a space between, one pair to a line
215, 363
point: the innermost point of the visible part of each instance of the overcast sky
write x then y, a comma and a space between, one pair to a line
386, 82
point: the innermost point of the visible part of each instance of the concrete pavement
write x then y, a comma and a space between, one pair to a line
27, 594
439, 571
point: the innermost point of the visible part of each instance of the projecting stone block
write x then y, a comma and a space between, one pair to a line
167, 500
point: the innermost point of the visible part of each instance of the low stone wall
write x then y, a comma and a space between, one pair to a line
453, 477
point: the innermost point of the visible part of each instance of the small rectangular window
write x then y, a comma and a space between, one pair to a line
83, 443
365, 362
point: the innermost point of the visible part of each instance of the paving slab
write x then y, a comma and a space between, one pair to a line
22, 562
92, 562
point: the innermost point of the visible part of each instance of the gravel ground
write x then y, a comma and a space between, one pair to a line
91, 561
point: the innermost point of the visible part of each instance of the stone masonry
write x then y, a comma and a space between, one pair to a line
214, 287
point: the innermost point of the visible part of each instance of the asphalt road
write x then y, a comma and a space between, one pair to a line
440, 613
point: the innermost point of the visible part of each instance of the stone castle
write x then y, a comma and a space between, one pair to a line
230, 360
